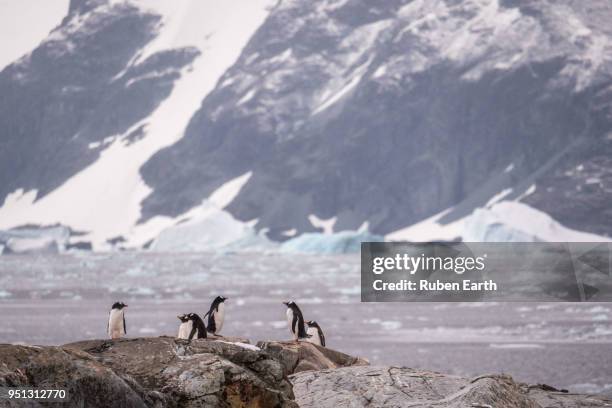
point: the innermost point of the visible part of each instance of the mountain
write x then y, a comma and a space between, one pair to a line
131, 114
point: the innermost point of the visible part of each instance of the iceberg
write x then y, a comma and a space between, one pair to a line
211, 229
343, 242
513, 221
34, 239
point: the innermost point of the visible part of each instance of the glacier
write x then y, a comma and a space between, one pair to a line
212, 229
511, 221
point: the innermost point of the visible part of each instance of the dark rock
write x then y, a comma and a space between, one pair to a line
88, 383
166, 372
405, 387
148, 372
304, 356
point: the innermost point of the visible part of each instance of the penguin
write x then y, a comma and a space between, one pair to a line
295, 319
191, 326
216, 315
314, 330
116, 321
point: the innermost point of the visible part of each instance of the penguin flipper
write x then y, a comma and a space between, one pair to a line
201, 328
322, 337
193, 332
124, 326
212, 326
294, 327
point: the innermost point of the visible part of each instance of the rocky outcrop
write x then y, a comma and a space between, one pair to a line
229, 372
146, 372
303, 356
405, 387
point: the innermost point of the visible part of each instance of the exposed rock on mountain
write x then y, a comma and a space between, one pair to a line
391, 111
382, 112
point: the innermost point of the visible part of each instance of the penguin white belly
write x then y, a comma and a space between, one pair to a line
315, 339
115, 324
290, 323
219, 316
185, 330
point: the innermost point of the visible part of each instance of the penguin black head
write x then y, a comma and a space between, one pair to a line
220, 299
119, 305
293, 306
312, 323
183, 318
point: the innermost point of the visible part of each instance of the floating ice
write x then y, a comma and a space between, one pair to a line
343, 242
34, 239
209, 230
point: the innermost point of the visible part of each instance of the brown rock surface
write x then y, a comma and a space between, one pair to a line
304, 356
400, 387
166, 372
151, 372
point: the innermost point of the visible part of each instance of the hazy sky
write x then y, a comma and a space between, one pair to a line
24, 23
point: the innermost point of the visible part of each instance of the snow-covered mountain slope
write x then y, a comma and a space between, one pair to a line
391, 111
181, 50
25, 23
132, 113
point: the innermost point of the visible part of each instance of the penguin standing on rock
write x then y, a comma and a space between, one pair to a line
295, 319
216, 315
315, 332
191, 327
116, 321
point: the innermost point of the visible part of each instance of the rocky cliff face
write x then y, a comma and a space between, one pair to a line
383, 112
164, 372
70, 94
390, 111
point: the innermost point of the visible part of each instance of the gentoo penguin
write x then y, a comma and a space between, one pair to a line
116, 321
191, 326
216, 315
315, 332
295, 319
